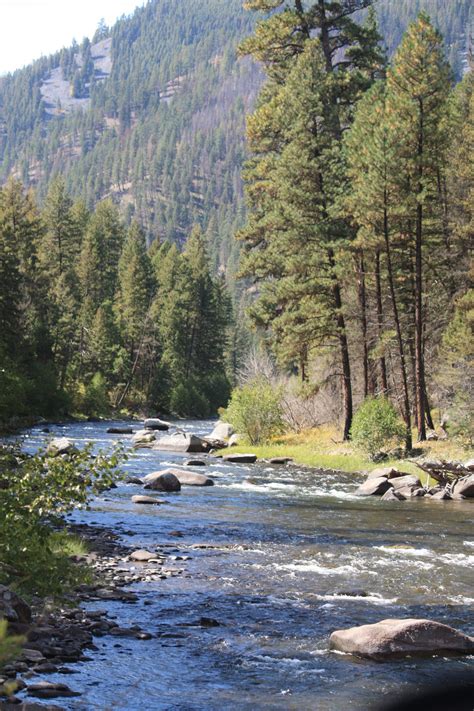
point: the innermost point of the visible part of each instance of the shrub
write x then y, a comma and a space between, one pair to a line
255, 411
36, 492
376, 425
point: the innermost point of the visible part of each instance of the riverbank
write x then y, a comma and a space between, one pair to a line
57, 634
321, 448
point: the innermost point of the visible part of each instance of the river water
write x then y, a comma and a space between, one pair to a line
286, 558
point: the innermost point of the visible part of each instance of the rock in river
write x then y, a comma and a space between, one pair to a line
401, 637
142, 556
153, 423
143, 437
187, 478
162, 481
387, 472
59, 446
222, 430
240, 458
181, 442
374, 487
120, 430
148, 500
49, 690
408, 480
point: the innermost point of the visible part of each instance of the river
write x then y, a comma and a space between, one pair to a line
290, 556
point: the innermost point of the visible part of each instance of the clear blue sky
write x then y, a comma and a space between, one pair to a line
31, 28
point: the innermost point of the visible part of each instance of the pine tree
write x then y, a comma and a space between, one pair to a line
418, 87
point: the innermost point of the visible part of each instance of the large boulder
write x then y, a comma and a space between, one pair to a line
408, 480
222, 431
59, 446
240, 458
153, 423
401, 637
387, 472
181, 442
190, 478
465, 487
12, 607
162, 481
374, 487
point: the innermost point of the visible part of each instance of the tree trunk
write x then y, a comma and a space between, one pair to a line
378, 289
344, 351
401, 350
419, 358
363, 318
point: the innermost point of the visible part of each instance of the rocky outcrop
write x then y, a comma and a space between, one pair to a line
400, 637
181, 442
59, 446
374, 487
162, 481
154, 423
240, 458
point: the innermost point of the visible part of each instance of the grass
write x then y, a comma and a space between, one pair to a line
322, 447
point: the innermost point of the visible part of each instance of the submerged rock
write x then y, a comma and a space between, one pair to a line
148, 500
374, 487
195, 463
401, 637
162, 481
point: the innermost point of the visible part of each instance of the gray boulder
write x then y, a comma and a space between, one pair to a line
441, 495
222, 431
411, 492
142, 556
153, 423
143, 437
400, 637
240, 458
59, 446
190, 478
162, 481
12, 607
465, 487
374, 487
387, 472
408, 480
181, 442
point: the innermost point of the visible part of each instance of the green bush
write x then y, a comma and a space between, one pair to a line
92, 398
376, 425
255, 411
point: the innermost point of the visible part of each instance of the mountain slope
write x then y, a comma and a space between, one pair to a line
152, 112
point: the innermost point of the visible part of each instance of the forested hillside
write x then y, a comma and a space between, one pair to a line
152, 113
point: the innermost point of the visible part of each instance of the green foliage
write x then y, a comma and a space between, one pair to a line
376, 426
37, 492
91, 397
10, 647
255, 411
187, 400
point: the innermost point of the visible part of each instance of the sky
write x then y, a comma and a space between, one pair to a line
32, 28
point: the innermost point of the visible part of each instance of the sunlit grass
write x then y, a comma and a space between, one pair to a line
323, 447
